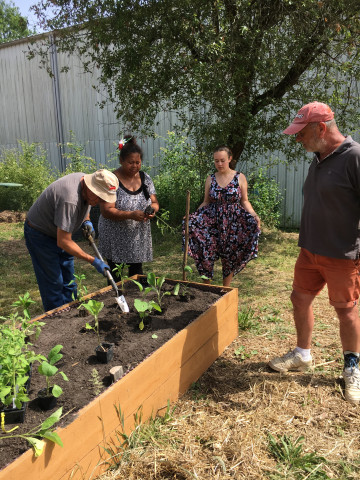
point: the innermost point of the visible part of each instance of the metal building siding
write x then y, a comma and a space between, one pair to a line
26, 98
29, 112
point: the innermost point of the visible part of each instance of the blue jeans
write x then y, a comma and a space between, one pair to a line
54, 268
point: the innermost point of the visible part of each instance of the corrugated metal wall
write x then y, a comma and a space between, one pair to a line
38, 108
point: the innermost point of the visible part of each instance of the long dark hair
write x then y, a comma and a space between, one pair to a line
224, 148
130, 147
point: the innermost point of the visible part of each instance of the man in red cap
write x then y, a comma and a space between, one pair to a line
329, 239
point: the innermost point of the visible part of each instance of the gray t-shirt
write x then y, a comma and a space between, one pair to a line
330, 220
60, 205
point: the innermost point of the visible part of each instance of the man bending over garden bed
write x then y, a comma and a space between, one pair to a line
62, 208
329, 240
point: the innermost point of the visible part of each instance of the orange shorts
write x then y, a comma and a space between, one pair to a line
342, 277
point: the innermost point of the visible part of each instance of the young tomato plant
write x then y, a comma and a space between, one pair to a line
94, 308
25, 303
15, 360
144, 309
81, 288
119, 272
33, 328
48, 369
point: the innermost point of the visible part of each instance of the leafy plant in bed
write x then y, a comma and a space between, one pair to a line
104, 351
82, 291
155, 285
16, 359
144, 309
120, 275
47, 397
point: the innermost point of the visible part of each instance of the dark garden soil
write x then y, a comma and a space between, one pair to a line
131, 346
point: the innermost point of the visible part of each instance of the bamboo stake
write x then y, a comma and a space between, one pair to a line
186, 233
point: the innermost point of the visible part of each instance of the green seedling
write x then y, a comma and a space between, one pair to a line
81, 288
144, 309
181, 289
49, 370
35, 437
139, 285
155, 285
94, 308
190, 271
119, 272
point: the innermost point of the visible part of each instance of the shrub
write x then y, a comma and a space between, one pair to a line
27, 165
265, 196
181, 168
75, 159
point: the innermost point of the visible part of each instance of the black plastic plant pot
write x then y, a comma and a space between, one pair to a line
46, 402
104, 352
15, 415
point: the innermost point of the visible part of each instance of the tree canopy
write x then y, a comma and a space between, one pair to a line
236, 71
12, 24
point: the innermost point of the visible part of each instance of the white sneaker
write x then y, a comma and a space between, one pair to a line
352, 384
291, 361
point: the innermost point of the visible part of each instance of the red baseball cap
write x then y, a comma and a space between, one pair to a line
312, 112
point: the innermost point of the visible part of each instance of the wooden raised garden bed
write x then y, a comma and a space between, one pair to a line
161, 378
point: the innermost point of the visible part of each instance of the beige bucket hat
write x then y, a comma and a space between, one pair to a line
103, 183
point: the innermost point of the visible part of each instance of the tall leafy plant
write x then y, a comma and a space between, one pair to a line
16, 358
182, 167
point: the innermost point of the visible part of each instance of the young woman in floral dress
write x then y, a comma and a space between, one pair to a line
225, 225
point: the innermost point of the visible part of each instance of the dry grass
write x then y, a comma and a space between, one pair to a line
221, 426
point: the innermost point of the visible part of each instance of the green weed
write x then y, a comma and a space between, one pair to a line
246, 319
241, 354
293, 462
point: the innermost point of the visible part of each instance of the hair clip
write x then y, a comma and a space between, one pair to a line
122, 142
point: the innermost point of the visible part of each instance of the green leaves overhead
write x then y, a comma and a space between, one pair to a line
12, 24
240, 69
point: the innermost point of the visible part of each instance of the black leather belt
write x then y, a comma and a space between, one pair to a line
31, 225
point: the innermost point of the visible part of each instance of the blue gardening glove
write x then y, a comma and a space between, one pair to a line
100, 265
88, 229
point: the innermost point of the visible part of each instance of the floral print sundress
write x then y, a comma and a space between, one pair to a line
223, 229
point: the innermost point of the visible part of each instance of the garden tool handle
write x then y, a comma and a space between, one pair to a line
107, 272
